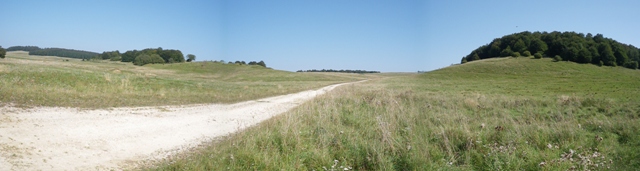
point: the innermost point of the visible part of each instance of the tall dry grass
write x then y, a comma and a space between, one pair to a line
416, 123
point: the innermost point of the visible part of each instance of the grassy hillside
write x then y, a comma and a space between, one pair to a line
498, 114
54, 81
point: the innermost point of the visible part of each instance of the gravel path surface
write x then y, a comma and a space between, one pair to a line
73, 139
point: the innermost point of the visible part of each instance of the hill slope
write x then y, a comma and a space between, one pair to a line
495, 114
53, 81
539, 77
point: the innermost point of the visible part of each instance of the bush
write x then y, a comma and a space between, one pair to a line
631, 65
526, 53
148, 59
116, 58
557, 58
515, 54
537, 55
2, 52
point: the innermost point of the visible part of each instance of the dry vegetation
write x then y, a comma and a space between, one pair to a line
53, 81
503, 114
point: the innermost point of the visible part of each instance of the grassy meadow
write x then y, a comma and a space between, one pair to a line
29, 81
497, 114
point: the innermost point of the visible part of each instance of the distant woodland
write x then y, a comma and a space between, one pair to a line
343, 71
562, 46
69, 53
137, 57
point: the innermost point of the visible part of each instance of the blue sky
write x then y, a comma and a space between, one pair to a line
388, 36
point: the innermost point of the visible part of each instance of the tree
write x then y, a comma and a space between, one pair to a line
506, 52
3, 52
606, 54
620, 53
191, 57
495, 50
538, 46
144, 59
261, 63
170, 56
526, 53
570, 54
595, 55
537, 55
475, 57
519, 46
584, 56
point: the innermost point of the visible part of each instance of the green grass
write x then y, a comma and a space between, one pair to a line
51, 81
498, 114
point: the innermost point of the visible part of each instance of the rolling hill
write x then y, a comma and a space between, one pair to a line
493, 114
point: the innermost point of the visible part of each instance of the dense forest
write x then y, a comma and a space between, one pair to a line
70, 53
562, 46
343, 71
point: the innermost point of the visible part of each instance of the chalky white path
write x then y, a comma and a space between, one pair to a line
74, 139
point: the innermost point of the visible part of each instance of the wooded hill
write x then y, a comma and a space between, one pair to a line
61, 52
342, 71
563, 46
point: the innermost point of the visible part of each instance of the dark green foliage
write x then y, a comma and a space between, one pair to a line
557, 58
538, 55
113, 55
475, 57
70, 53
506, 52
572, 46
169, 56
3, 52
620, 53
516, 54
129, 56
526, 53
144, 59
261, 63
584, 56
23, 48
191, 57
343, 71
463, 60
538, 46
606, 54
631, 65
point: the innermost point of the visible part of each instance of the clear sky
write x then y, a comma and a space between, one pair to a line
388, 36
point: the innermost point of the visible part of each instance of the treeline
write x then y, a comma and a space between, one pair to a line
61, 52
23, 48
343, 71
261, 63
145, 56
562, 46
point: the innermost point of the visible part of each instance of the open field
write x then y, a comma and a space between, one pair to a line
498, 114
29, 81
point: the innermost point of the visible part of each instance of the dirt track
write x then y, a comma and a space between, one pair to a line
73, 139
